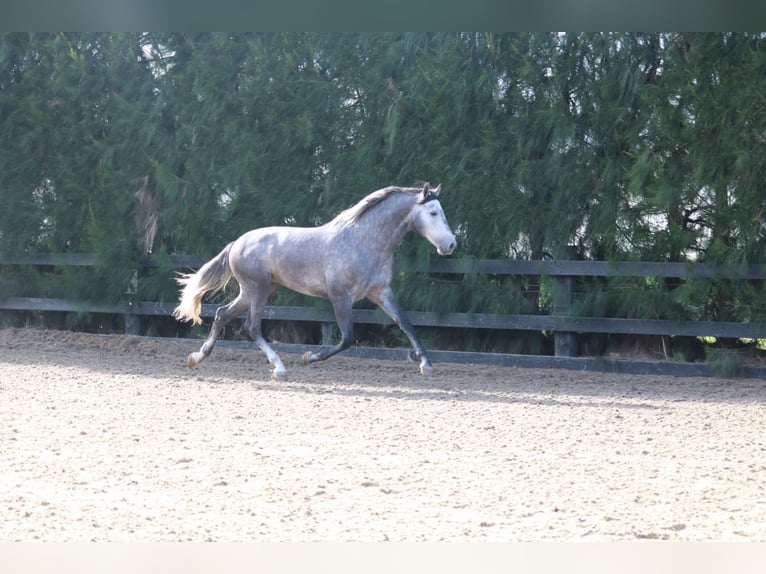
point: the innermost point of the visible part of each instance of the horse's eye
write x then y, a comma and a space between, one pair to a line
434, 214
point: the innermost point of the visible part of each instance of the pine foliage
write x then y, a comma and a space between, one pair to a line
619, 146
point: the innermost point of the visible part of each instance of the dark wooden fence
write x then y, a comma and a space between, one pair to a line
564, 326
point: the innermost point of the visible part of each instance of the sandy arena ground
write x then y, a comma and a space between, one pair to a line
115, 439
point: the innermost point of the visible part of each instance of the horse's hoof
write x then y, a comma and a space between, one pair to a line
191, 361
278, 375
426, 369
306, 358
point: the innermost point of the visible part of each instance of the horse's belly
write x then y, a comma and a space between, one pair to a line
304, 285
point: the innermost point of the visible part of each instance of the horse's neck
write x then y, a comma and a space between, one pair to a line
384, 227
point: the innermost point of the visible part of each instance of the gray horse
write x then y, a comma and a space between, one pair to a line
345, 260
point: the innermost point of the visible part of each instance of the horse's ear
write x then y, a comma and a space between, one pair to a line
427, 194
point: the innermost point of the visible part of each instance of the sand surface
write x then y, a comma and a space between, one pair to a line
114, 439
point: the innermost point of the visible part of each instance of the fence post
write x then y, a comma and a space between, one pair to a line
565, 343
132, 321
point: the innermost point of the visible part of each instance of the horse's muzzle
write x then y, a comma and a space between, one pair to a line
448, 249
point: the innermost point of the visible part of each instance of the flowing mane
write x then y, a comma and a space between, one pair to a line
352, 214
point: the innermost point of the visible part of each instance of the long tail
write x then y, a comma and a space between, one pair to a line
212, 276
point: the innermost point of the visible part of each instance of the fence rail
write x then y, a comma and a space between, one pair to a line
563, 272
553, 268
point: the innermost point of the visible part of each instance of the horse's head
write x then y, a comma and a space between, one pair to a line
428, 219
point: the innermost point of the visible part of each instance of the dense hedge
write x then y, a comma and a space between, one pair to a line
606, 146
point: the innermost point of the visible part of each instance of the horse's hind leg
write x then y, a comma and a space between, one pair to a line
279, 371
253, 326
223, 315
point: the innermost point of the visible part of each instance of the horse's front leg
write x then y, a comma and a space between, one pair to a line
386, 300
342, 308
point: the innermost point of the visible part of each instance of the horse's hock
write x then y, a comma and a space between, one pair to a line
113, 438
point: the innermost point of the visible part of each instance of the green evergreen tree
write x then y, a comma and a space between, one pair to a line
617, 145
